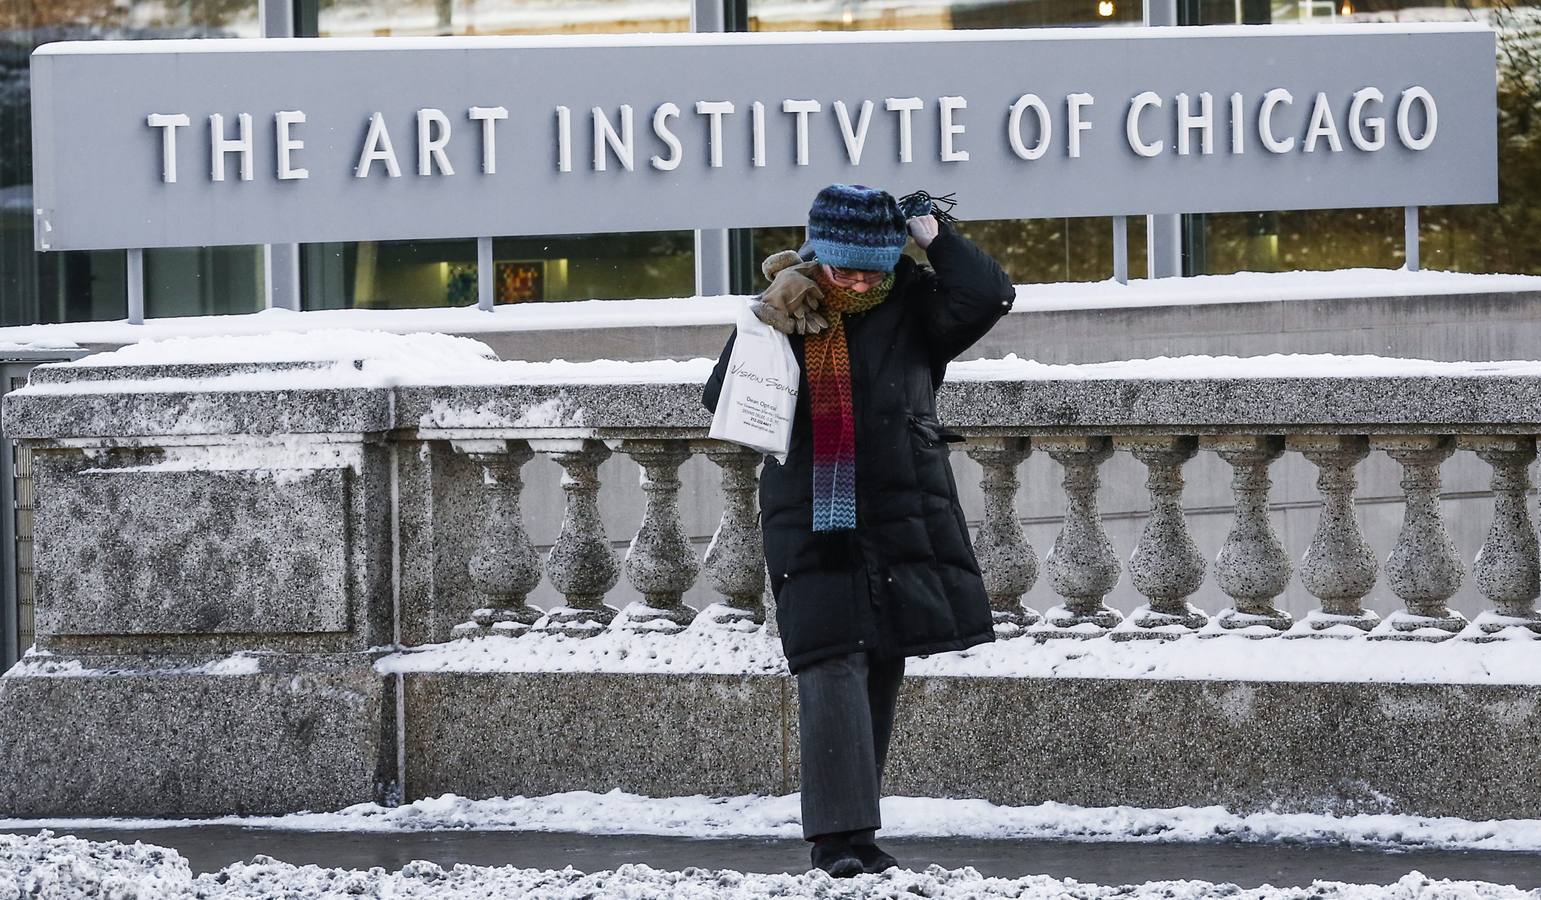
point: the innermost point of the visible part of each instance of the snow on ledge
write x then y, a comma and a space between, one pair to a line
1243, 287
753, 816
706, 649
340, 358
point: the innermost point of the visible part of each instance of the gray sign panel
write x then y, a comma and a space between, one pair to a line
184, 143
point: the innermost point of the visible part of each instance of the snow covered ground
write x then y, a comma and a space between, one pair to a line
51, 867
616, 812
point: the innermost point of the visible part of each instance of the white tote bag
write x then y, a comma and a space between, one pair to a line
759, 391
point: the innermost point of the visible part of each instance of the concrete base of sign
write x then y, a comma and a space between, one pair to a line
1450, 327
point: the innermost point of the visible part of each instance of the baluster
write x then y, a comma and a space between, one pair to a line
1081, 565
1252, 567
1338, 568
581, 564
1009, 564
1423, 569
660, 562
1508, 567
1167, 566
735, 561
505, 567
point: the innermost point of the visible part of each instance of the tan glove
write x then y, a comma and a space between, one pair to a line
793, 294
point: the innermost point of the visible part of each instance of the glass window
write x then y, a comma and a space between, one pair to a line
201, 281
411, 274
68, 286
1501, 238
875, 15
382, 18
1031, 250
397, 274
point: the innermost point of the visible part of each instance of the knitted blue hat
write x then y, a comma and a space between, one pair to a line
853, 226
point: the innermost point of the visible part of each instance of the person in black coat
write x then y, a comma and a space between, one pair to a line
865, 541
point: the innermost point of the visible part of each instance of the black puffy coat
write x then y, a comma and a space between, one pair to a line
905, 582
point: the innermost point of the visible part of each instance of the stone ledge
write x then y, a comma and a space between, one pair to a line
1430, 750
513, 401
178, 744
529, 734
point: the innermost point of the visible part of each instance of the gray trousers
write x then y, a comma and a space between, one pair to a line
845, 715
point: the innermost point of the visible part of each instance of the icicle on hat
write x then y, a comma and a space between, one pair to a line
852, 226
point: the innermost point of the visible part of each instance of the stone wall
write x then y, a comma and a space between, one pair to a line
225, 553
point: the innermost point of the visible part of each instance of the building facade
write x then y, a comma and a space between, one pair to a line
82, 286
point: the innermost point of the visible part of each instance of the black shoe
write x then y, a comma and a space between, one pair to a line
874, 860
833, 853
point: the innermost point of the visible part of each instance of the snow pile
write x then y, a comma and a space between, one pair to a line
1262, 287
706, 649
616, 812
650, 313
753, 816
352, 359
323, 345
347, 358
1274, 365
47, 867
1242, 287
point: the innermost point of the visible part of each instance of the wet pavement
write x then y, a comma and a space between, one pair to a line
211, 847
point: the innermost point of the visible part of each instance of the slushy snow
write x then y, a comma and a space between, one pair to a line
50, 867
753, 816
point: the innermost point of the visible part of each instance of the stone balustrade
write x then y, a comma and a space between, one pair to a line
468, 444
1252, 569
234, 552
1335, 423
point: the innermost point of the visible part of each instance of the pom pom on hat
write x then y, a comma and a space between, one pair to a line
853, 226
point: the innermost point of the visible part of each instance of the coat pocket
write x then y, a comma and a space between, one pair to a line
932, 432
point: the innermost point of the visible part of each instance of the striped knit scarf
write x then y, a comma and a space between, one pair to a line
834, 424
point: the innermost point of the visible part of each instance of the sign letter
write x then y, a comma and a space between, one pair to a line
489, 116
1132, 124
377, 146
1014, 127
801, 109
1265, 121
564, 139
604, 133
1322, 125
432, 136
1431, 118
168, 123
661, 117
287, 145
716, 109
904, 106
1076, 103
1204, 122
220, 145
855, 139
757, 120
949, 130
1357, 122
